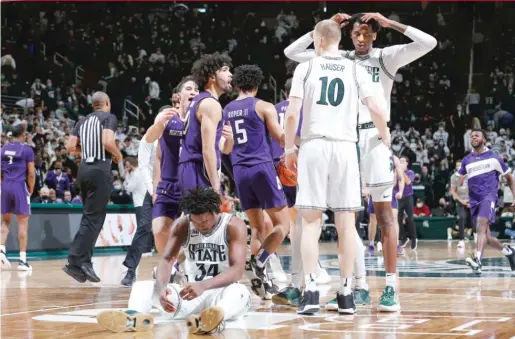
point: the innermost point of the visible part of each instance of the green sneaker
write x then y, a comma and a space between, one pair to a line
332, 305
389, 301
361, 296
288, 296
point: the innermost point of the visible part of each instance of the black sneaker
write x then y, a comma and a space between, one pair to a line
6, 265
511, 258
130, 277
346, 304
474, 263
309, 303
258, 280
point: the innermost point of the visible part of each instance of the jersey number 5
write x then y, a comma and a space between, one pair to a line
332, 92
241, 133
212, 271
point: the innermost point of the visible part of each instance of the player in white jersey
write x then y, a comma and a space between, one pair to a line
215, 245
382, 65
328, 88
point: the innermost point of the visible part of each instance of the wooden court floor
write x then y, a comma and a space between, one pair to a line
440, 298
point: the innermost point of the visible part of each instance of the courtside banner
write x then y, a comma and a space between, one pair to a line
118, 230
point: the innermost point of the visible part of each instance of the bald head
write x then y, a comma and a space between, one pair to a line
100, 102
329, 31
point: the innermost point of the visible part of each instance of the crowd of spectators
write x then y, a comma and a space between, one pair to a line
140, 51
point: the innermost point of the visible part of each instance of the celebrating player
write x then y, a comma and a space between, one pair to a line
482, 167
381, 64
199, 161
328, 88
255, 176
18, 180
215, 245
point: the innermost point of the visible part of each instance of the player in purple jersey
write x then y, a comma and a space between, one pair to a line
18, 180
200, 156
482, 167
168, 128
258, 186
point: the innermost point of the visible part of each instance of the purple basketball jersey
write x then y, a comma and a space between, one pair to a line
15, 195
251, 136
192, 143
170, 144
277, 150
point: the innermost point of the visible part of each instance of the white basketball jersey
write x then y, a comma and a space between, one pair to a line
207, 255
382, 80
331, 88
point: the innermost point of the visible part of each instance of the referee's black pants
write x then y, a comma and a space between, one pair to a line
95, 185
142, 241
406, 206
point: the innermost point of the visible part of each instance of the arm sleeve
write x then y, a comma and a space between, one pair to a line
145, 163
110, 122
298, 50
394, 57
299, 78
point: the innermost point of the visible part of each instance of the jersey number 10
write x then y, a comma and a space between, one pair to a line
332, 92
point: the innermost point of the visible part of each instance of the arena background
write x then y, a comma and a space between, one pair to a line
54, 56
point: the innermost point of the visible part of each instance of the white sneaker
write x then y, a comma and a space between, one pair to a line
24, 266
323, 277
461, 244
6, 265
379, 247
275, 270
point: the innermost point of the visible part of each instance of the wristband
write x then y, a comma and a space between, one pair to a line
290, 150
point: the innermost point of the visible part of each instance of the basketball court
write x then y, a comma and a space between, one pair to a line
439, 295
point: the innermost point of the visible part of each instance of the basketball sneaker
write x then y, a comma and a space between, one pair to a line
404, 243
24, 266
371, 250
323, 277
210, 320
414, 244
288, 296
6, 265
275, 269
309, 303
258, 280
511, 258
474, 263
346, 304
361, 296
123, 321
389, 301
400, 250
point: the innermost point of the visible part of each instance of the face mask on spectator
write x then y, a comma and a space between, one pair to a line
419, 204
117, 187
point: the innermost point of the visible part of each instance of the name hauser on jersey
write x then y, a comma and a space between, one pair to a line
332, 67
207, 252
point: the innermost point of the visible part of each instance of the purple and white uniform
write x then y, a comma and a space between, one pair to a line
482, 171
15, 194
192, 173
255, 176
168, 191
277, 151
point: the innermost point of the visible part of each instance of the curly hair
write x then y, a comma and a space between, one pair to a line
181, 84
356, 18
247, 77
207, 66
201, 200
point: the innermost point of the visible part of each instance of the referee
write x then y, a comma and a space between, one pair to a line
98, 148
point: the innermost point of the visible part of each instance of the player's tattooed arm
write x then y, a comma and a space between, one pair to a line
268, 113
237, 240
178, 236
210, 112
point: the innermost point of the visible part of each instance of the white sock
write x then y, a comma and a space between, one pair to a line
311, 285
478, 256
345, 286
23, 256
2, 247
361, 283
507, 251
391, 279
371, 242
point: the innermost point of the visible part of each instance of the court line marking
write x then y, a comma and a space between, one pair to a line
63, 307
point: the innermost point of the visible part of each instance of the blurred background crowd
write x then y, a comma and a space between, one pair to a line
54, 56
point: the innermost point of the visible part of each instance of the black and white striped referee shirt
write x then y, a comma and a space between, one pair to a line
89, 132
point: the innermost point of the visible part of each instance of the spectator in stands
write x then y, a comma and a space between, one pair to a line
67, 197
421, 209
441, 134
443, 209
44, 196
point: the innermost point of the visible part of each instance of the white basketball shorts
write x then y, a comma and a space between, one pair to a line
376, 165
328, 176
